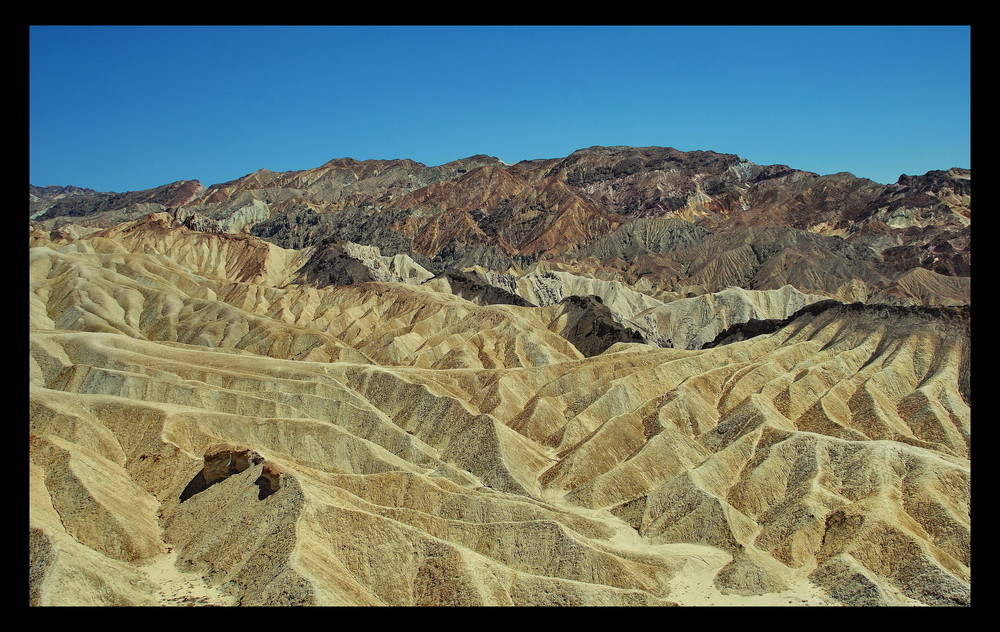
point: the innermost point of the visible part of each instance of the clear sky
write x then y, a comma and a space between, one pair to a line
123, 108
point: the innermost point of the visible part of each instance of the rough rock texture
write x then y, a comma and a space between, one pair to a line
73, 202
347, 263
591, 326
623, 209
640, 394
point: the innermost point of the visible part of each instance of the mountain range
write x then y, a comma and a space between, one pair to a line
629, 376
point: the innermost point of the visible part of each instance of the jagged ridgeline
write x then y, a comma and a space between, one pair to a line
629, 376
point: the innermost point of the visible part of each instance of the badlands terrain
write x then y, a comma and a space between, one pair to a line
626, 377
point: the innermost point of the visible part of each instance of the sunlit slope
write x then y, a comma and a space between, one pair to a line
431, 450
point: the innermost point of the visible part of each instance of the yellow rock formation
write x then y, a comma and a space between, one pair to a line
410, 447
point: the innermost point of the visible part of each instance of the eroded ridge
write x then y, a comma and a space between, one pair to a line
210, 426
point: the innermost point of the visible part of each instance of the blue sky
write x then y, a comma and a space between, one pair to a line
124, 108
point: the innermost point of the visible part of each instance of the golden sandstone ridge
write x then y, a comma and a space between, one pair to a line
208, 425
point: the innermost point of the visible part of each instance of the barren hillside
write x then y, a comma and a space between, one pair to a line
631, 376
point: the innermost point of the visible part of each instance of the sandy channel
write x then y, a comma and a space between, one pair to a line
175, 587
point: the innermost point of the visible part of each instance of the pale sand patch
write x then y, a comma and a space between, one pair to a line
693, 584
174, 587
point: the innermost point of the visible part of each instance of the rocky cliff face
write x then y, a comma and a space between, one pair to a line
629, 376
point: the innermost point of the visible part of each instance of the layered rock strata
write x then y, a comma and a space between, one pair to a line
670, 404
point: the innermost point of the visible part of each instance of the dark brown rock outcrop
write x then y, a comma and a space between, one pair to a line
221, 462
592, 327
